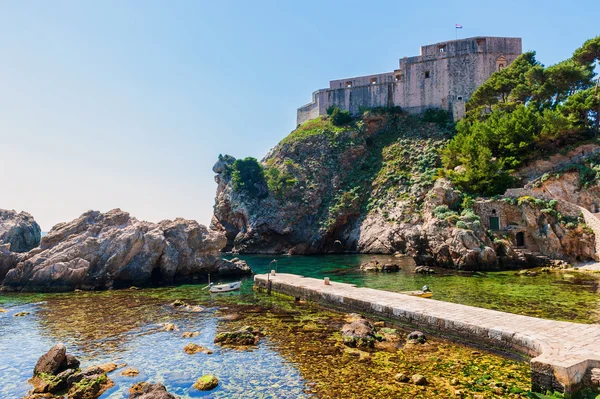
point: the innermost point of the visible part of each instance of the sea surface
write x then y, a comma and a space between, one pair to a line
299, 355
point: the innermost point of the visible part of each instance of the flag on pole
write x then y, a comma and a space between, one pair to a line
458, 26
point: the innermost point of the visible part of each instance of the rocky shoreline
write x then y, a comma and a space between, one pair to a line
114, 250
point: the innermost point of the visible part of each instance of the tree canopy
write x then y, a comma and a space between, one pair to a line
521, 112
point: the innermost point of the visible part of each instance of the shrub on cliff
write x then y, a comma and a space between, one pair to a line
279, 181
338, 117
248, 175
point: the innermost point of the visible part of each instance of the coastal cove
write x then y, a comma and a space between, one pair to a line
299, 355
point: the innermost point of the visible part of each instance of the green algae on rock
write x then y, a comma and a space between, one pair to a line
206, 383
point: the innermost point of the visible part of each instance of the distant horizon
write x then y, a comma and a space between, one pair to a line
108, 105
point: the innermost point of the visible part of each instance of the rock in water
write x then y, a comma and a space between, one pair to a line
130, 372
19, 230
115, 250
246, 336
145, 390
192, 349
50, 362
206, 383
416, 337
375, 266
57, 372
358, 332
418, 379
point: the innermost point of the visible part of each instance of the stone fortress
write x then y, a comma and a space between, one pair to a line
444, 76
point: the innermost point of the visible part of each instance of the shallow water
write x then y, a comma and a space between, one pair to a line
300, 355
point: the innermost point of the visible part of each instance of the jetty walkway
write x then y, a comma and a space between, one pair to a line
563, 353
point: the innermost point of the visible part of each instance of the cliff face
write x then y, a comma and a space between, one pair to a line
368, 187
334, 173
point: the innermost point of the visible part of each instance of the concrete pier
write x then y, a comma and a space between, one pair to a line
563, 354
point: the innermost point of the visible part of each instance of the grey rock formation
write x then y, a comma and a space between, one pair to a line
8, 259
19, 230
114, 250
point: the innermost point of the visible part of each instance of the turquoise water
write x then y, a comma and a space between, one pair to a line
125, 326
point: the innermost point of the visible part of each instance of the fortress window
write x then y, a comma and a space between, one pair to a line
459, 98
442, 48
501, 63
373, 81
348, 84
399, 78
427, 74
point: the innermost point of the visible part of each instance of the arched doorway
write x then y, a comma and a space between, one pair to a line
520, 239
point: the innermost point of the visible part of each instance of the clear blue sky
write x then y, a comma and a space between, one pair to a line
127, 104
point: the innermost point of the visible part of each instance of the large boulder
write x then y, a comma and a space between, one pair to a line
114, 250
19, 230
57, 372
51, 361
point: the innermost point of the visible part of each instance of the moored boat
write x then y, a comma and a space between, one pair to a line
422, 294
225, 287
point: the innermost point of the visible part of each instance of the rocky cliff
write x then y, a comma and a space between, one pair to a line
114, 250
19, 230
368, 186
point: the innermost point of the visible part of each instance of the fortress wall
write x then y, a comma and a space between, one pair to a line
352, 99
435, 79
387, 77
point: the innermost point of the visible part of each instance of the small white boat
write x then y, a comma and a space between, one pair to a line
225, 287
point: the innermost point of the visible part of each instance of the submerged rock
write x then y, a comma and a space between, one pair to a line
19, 230
375, 266
130, 372
206, 383
192, 349
145, 390
21, 314
424, 270
108, 367
114, 250
246, 336
190, 334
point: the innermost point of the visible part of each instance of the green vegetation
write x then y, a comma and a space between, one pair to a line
248, 176
279, 181
338, 117
313, 127
520, 113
